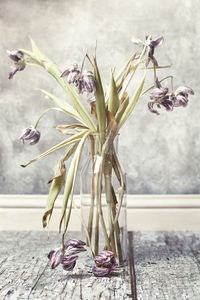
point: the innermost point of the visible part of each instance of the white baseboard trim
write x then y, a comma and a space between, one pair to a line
144, 212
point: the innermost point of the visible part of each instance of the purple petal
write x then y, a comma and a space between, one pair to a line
180, 100
30, 134
56, 259
69, 259
184, 90
65, 73
35, 140
99, 272
150, 107
158, 42
69, 266
158, 93
74, 243
74, 250
12, 73
15, 55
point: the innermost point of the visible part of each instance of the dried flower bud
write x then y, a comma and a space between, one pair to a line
30, 134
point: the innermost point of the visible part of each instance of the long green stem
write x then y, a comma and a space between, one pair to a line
44, 112
99, 204
108, 190
171, 77
91, 212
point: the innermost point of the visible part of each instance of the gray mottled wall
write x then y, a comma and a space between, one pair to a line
159, 153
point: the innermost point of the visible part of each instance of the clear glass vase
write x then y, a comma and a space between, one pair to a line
103, 200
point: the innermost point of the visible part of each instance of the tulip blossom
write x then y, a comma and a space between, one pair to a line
105, 263
31, 135
18, 59
161, 97
85, 82
66, 256
89, 82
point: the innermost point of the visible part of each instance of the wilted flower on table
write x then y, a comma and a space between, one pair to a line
18, 58
66, 256
105, 263
30, 134
89, 82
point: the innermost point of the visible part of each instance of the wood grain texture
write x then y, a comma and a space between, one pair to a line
25, 272
167, 265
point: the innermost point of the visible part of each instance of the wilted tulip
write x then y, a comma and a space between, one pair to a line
30, 134
65, 256
72, 74
161, 97
89, 82
105, 263
18, 58
158, 93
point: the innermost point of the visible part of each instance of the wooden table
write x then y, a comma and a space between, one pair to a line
162, 265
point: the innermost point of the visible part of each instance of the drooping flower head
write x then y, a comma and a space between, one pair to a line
89, 82
30, 135
72, 74
161, 97
105, 263
151, 45
85, 82
17, 57
67, 255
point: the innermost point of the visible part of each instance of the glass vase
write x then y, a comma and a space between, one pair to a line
103, 200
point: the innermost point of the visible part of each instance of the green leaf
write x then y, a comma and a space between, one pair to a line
113, 101
63, 105
132, 103
71, 128
55, 189
38, 56
122, 109
100, 103
58, 181
71, 176
73, 139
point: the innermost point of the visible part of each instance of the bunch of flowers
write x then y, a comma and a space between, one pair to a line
109, 110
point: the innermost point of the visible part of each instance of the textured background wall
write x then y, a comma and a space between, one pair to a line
159, 153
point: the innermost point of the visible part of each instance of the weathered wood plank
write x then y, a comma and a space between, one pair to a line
26, 274
167, 265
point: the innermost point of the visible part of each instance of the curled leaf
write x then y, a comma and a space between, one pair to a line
71, 128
